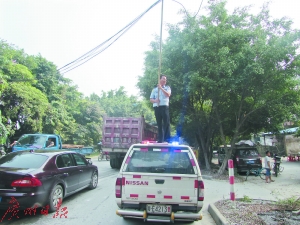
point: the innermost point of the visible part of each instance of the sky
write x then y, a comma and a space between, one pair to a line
63, 30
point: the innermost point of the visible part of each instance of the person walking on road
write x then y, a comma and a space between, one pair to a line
161, 108
268, 167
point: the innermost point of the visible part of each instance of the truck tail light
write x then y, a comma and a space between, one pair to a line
118, 188
27, 182
199, 184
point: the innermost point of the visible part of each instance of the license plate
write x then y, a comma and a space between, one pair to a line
250, 162
161, 209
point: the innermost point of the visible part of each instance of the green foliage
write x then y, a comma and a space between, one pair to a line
35, 95
246, 199
25, 104
3, 131
230, 74
292, 203
116, 103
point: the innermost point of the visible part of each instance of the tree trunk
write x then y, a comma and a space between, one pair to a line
202, 147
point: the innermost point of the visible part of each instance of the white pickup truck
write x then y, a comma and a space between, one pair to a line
160, 182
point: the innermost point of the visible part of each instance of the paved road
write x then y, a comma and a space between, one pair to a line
286, 185
98, 206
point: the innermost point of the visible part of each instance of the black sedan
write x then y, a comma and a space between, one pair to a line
33, 179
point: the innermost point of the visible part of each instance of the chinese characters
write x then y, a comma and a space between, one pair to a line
59, 210
13, 210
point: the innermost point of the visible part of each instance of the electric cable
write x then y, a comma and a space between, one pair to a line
186, 10
87, 54
95, 51
92, 56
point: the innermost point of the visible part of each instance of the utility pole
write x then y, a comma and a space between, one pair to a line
160, 45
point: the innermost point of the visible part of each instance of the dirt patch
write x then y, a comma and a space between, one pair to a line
214, 175
256, 212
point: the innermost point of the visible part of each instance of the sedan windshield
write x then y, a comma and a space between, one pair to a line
23, 160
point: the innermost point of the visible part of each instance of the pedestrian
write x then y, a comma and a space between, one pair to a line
161, 108
268, 167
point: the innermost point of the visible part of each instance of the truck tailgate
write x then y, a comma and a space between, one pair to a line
159, 188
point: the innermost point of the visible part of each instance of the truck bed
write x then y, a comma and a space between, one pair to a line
119, 133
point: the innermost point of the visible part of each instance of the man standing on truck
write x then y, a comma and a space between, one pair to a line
161, 108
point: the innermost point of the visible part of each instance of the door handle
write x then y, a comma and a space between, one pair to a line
157, 181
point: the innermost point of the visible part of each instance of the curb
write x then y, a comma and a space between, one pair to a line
216, 215
220, 219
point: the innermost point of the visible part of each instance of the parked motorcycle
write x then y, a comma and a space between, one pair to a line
276, 166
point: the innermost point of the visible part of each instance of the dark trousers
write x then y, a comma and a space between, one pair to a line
163, 123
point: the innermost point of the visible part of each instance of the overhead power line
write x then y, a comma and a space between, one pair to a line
186, 10
97, 50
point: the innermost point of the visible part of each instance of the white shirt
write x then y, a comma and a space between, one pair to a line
164, 100
267, 159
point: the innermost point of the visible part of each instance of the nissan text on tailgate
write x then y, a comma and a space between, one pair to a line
160, 182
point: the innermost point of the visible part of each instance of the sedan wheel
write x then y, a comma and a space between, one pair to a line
94, 180
56, 197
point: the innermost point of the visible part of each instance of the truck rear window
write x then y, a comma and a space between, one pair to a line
170, 160
248, 152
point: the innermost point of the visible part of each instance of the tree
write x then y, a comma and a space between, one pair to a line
233, 74
89, 120
116, 103
21, 103
32, 86
26, 105
35, 97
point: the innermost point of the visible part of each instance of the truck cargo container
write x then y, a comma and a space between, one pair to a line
119, 133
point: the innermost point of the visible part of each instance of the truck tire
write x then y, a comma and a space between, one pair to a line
112, 163
119, 163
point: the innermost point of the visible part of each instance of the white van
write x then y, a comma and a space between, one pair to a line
160, 182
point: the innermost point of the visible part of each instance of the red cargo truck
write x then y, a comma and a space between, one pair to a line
119, 133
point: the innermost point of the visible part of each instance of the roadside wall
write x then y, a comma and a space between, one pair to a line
292, 144
282, 145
